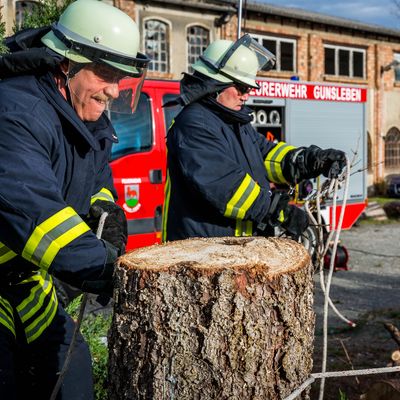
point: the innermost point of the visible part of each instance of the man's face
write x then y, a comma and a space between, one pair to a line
234, 97
92, 88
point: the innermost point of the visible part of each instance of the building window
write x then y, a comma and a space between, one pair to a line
396, 56
392, 148
23, 9
198, 38
283, 49
344, 61
156, 45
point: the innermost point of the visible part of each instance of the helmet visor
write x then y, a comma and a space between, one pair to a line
128, 99
266, 60
243, 60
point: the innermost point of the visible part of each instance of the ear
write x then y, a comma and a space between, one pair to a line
64, 66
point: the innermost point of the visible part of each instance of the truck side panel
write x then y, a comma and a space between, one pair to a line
331, 125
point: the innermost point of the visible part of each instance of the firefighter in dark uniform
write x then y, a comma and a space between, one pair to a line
54, 175
219, 167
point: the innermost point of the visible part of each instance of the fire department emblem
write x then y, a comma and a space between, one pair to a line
132, 203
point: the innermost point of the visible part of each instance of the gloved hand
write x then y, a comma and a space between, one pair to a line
292, 219
329, 162
103, 284
115, 230
296, 221
310, 162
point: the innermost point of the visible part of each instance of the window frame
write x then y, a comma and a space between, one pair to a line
167, 44
392, 149
278, 40
351, 51
196, 25
396, 56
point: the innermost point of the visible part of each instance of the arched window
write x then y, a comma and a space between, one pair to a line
392, 148
156, 44
198, 38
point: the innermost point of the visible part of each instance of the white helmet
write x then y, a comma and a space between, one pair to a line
93, 31
239, 61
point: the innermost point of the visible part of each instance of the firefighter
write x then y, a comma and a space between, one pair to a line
54, 175
219, 167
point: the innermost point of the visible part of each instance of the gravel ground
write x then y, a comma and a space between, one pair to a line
367, 293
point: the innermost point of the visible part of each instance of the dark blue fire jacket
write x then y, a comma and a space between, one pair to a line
219, 171
52, 166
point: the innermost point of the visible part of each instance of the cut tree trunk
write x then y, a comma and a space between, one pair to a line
215, 318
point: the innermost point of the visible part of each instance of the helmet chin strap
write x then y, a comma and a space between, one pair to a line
73, 70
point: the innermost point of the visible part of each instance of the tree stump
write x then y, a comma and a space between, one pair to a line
212, 318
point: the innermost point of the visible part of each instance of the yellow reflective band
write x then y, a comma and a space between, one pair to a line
104, 194
238, 229
61, 242
273, 162
35, 300
53, 234
6, 315
242, 199
249, 228
167, 195
6, 254
36, 328
281, 217
40, 282
243, 228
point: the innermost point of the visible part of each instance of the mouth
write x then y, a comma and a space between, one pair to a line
101, 101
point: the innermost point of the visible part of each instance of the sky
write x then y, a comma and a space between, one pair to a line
379, 12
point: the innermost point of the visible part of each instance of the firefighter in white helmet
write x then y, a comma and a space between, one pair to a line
55, 182
219, 167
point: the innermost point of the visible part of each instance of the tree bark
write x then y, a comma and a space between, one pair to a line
212, 318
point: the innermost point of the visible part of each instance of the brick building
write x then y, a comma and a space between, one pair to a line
311, 46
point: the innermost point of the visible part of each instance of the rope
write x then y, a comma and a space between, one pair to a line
68, 357
338, 229
323, 249
339, 374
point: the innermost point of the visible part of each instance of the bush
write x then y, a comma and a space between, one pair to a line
380, 188
45, 13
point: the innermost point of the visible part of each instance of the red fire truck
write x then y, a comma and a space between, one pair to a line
297, 112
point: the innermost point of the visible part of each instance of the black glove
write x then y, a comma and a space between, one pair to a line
329, 162
292, 219
310, 162
103, 285
296, 221
115, 230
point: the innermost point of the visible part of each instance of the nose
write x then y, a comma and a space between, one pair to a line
112, 90
244, 96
